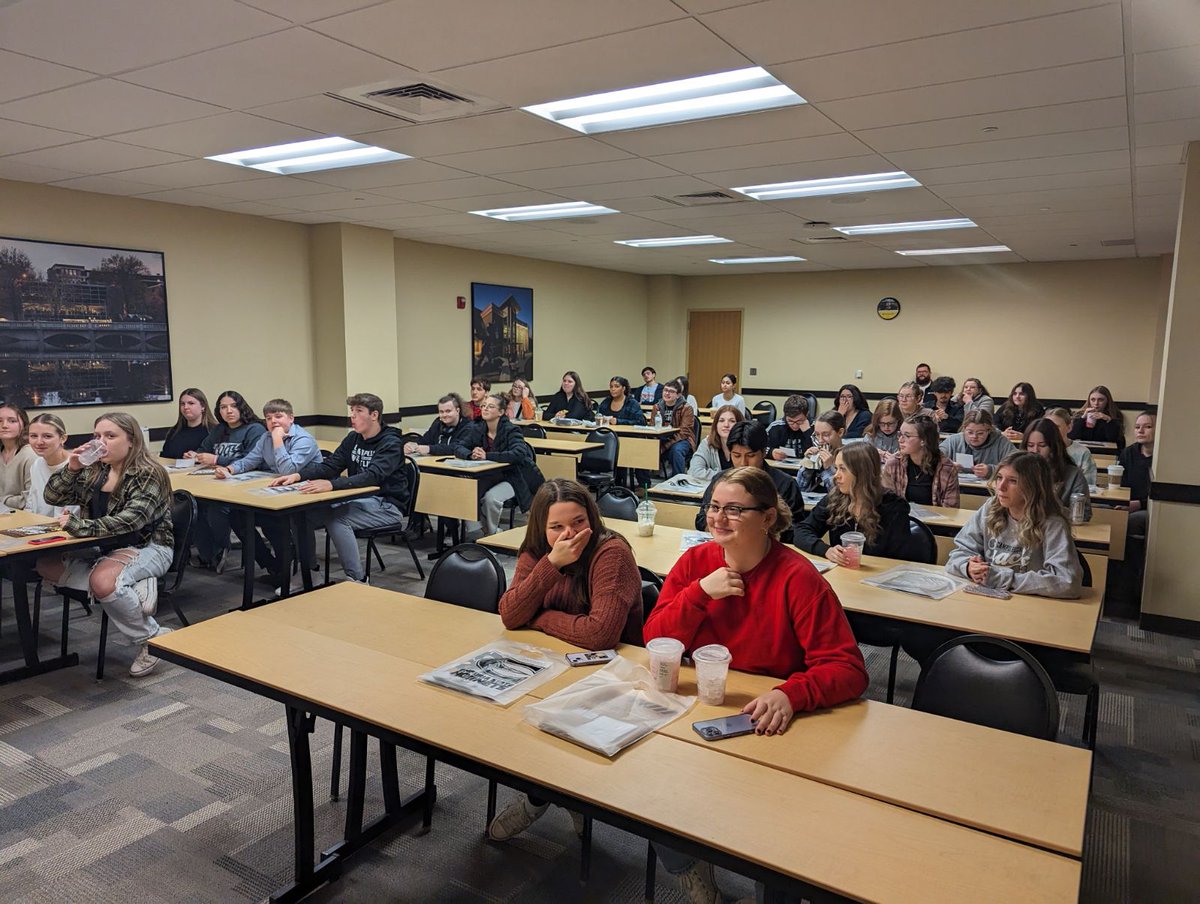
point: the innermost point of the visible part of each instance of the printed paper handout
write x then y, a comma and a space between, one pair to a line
501, 671
909, 579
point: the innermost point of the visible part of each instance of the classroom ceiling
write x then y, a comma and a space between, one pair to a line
1058, 126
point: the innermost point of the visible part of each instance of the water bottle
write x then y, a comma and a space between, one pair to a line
1078, 508
657, 418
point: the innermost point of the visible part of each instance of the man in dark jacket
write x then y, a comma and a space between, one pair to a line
747, 449
372, 455
446, 432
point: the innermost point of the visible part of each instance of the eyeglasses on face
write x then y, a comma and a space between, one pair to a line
732, 512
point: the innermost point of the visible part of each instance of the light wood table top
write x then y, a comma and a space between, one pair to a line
1117, 495
621, 429
1063, 624
11, 546
955, 519
561, 446
240, 492
437, 464
898, 855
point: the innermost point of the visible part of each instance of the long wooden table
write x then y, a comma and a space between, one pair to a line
1062, 624
344, 652
560, 457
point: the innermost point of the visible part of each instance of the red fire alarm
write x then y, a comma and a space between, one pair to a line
462, 302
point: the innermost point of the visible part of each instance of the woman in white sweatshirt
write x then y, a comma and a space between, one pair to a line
47, 438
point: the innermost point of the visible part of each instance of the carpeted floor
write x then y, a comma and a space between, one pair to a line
175, 787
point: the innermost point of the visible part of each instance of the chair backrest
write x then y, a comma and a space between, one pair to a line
412, 476
764, 413
537, 431
651, 586
467, 575
183, 523
961, 682
618, 502
1085, 568
600, 460
921, 545
813, 410
411, 437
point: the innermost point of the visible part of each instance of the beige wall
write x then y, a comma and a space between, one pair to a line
584, 319
237, 289
1096, 322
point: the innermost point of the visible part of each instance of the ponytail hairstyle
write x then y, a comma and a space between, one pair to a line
862, 506
1041, 502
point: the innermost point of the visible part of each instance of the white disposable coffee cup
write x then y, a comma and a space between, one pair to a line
665, 654
853, 543
712, 670
1115, 473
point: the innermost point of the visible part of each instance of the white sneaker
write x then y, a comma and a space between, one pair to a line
699, 886
515, 819
144, 664
147, 592
222, 561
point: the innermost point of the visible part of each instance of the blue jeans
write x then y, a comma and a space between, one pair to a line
341, 519
123, 606
677, 456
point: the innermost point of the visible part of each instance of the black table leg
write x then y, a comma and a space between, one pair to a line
356, 789
281, 527
28, 637
249, 565
302, 532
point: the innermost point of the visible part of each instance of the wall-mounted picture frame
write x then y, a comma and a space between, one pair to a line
501, 332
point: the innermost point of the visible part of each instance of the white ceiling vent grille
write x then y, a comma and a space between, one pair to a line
700, 199
423, 101
1115, 243
822, 240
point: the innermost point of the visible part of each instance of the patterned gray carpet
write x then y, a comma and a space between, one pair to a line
176, 787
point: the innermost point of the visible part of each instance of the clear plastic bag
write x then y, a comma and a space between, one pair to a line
936, 585
609, 710
501, 671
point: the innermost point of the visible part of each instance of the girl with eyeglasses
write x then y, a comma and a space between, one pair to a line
827, 440
920, 472
979, 439
910, 399
884, 423
520, 402
771, 609
854, 409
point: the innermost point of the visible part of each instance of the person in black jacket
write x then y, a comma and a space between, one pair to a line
1136, 459
571, 401
446, 432
853, 407
372, 455
946, 412
495, 438
747, 449
1099, 420
857, 502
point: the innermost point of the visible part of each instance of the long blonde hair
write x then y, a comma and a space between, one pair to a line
862, 506
139, 460
1041, 502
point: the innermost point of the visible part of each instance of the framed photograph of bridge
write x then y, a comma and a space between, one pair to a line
501, 332
82, 325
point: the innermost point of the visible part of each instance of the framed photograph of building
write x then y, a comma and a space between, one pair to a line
82, 325
501, 332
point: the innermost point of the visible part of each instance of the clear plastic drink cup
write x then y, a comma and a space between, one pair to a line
91, 452
665, 654
712, 670
853, 543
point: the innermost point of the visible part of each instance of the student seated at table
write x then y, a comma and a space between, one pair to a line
857, 502
238, 432
447, 431
854, 410
946, 412
979, 439
16, 458
922, 380
728, 396
495, 438
1080, 455
571, 400
1136, 460
712, 455
747, 449
480, 387
195, 422
974, 396
1020, 540
827, 439
1099, 420
686, 395
1043, 438
919, 472
673, 411
47, 437
1019, 410
768, 605
651, 390
621, 405
790, 436
910, 400
286, 448
884, 423
372, 455
575, 580
124, 501
520, 404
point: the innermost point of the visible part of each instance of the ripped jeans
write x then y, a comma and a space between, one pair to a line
122, 605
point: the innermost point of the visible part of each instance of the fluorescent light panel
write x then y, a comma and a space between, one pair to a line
700, 97
674, 241
838, 185
309, 156
782, 259
912, 226
981, 249
545, 211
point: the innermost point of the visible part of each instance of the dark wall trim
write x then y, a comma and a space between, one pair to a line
877, 396
1168, 624
1184, 493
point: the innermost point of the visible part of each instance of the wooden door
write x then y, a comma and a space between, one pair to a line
714, 348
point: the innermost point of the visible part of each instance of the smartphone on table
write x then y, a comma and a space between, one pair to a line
725, 727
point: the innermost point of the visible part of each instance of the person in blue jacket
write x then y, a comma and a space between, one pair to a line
621, 405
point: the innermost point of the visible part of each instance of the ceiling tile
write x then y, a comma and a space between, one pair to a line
308, 10
1160, 106
788, 172
97, 36
22, 75
517, 197
750, 128
540, 155
1066, 165
1164, 154
769, 153
104, 107
669, 186
28, 172
337, 200
98, 156
699, 7
276, 67
379, 175
1164, 70
181, 196
1074, 37
1163, 24
434, 36
16, 137
491, 130
272, 188
564, 177
220, 134
1176, 131
449, 188
1020, 149
954, 191
193, 173
327, 116
109, 185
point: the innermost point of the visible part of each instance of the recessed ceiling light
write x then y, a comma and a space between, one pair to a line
676, 240
701, 97
838, 185
309, 156
782, 259
911, 226
981, 249
545, 211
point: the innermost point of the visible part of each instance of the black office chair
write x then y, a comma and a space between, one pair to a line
764, 413
412, 436
618, 502
921, 546
1073, 677
535, 431
651, 587
598, 467
813, 408
183, 522
962, 681
396, 529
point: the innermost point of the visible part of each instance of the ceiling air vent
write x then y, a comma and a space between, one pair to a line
1115, 243
700, 199
423, 101
822, 240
